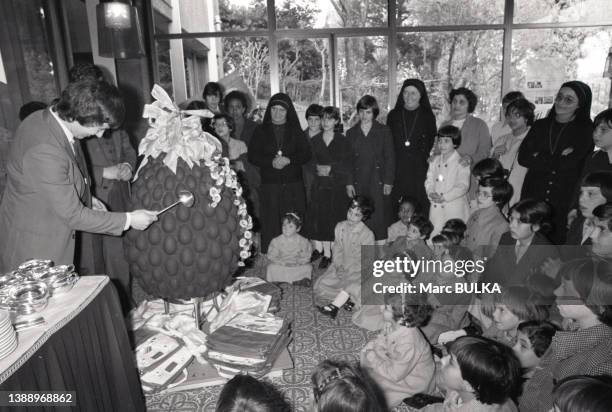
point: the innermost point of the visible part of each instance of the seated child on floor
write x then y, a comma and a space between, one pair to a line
289, 254
455, 229
408, 207
478, 374
418, 232
533, 339
400, 358
449, 309
514, 305
244, 392
583, 393
456, 226
340, 387
413, 247
341, 282
487, 224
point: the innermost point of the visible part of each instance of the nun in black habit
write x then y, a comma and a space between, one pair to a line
554, 152
413, 126
279, 148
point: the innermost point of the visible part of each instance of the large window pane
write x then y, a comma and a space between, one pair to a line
164, 69
246, 66
447, 60
362, 69
548, 11
449, 12
195, 16
304, 72
543, 59
185, 66
308, 14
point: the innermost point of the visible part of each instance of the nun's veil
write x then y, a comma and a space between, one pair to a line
420, 86
281, 99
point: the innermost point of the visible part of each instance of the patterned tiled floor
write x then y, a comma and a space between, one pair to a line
315, 337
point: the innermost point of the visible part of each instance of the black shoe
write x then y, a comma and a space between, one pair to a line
324, 263
348, 306
329, 310
315, 255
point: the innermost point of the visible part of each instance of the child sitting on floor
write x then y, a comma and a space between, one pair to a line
455, 229
418, 232
533, 339
478, 375
341, 282
289, 254
245, 393
413, 247
408, 207
516, 304
583, 393
400, 358
340, 387
449, 309
487, 224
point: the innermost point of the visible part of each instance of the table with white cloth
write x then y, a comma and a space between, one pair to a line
83, 347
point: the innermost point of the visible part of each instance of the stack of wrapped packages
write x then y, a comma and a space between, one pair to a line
247, 341
254, 284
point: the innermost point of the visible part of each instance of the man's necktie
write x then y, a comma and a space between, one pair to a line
80, 158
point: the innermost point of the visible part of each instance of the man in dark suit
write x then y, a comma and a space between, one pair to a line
47, 197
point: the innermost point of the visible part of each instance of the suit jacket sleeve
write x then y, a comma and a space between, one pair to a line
51, 168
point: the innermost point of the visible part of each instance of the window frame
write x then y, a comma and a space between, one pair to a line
391, 31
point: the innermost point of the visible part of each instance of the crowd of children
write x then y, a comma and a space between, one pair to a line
538, 344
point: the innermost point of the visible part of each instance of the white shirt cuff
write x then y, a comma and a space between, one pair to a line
128, 221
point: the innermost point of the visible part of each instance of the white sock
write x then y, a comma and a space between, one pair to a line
326, 249
318, 245
340, 299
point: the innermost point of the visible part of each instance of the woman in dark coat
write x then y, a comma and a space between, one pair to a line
278, 147
554, 152
373, 165
413, 126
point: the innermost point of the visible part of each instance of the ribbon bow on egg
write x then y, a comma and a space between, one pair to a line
178, 133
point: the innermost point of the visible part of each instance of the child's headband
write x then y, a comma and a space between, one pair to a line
294, 216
